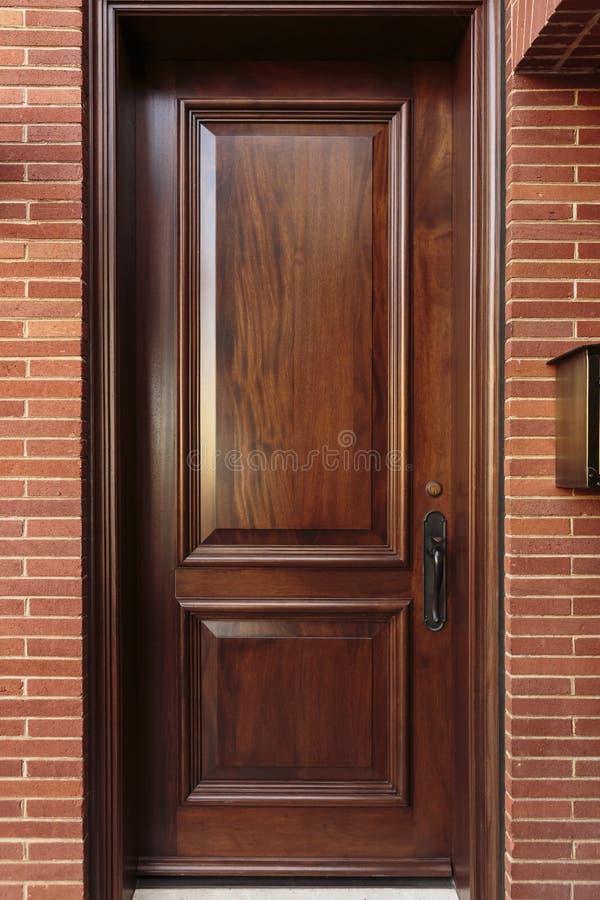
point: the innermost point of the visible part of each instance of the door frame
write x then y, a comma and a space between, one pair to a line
479, 871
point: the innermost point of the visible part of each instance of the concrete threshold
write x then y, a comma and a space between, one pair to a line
294, 893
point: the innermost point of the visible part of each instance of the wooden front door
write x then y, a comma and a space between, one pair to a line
293, 397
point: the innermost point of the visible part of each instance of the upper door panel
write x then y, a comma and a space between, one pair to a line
293, 332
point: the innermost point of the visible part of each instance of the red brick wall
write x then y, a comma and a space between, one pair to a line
556, 35
530, 18
552, 535
41, 329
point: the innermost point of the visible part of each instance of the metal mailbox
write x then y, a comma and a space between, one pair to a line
578, 417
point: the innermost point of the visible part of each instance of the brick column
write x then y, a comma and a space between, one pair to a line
552, 535
41, 410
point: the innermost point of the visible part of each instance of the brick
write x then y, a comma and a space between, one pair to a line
540, 727
10, 96
541, 211
55, 172
34, 76
62, 289
587, 727
554, 706
54, 96
587, 768
36, 18
540, 768
56, 210
55, 487
45, 428
538, 606
541, 565
41, 829
536, 99
55, 250
63, 648
586, 809
587, 686
554, 830
541, 174
552, 871
12, 250
54, 57
588, 173
29, 115
42, 348
587, 291
539, 849
540, 665
539, 526
30, 152
53, 728
60, 527
11, 892
585, 891
57, 388
542, 625
42, 37
542, 137
534, 687
11, 850
61, 409
541, 809
54, 328
14, 57
10, 18
542, 250
537, 891
589, 135
553, 231
54, 892
552, 192
54, 850
12, 728
11, 133
577, 156
11, 528
554, 118
39, 871
49, 748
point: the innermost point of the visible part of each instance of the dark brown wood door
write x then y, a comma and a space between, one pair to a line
294, 395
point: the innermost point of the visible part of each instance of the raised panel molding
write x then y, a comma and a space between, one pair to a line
260, 656
267, 512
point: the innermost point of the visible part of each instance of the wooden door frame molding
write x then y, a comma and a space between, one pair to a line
105, 863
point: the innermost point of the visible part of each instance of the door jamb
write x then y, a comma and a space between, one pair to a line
106, 867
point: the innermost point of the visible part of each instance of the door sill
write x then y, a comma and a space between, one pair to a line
153, 867
294, 893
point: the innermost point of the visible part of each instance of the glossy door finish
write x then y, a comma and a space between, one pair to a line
294, 379
294, 329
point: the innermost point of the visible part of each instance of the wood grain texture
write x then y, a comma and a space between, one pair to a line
463, 466
343, 868
169, 844
308, 363
257, 731
375, 817
294, 250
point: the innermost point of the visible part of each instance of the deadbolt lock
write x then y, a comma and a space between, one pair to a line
434, 488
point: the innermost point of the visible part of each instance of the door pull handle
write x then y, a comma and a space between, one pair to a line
434, 570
